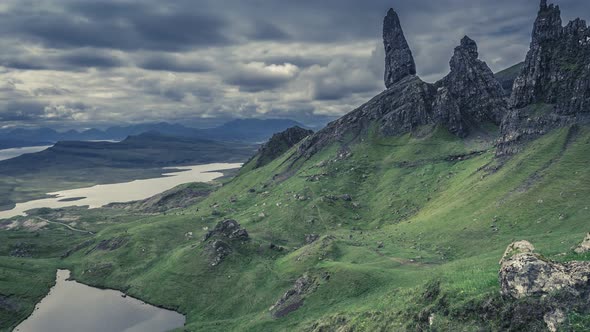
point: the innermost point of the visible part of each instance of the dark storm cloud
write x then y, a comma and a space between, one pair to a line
166, 62
75, 60
116, 26
91, 59
130, 60
21, 111
262, 30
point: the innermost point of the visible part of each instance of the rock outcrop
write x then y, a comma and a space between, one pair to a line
293, 298
557, 66
553, 88
584, 247
229, 229
399, 62
220, 240
551, 91
280, 143
470, 94
466, 98
525, 273
404, 106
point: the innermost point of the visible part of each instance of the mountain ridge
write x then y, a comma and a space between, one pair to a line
470, 97
238, 130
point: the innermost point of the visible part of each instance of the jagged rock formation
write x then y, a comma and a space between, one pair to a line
229, 229
220, 240
279, 144
470, 94
557, 66
524, 273
553, 88
293, 298
399, 61
462, 101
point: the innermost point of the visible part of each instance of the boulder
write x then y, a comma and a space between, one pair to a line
525, 273
554, 319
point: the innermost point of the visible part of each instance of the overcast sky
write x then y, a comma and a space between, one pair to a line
81, 63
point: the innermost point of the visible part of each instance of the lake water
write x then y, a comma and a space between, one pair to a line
101, 195
74, 307
15, 152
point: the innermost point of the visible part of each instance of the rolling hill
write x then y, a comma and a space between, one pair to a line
392, 218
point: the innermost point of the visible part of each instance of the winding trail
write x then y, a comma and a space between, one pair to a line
66, 226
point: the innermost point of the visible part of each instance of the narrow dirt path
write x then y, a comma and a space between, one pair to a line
66, 226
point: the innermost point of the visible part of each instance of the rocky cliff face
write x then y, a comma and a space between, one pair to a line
404, 106
553, 88
466, 98
470, 94
557, 66
280, 143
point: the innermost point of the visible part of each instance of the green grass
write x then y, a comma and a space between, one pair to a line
440, 217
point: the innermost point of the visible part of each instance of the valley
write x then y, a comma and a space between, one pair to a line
70, 165
458, 205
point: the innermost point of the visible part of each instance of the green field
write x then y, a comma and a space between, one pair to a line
420, 239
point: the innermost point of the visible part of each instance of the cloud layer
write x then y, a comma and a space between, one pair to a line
77, 63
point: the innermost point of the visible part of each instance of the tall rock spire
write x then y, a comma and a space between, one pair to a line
552, 89
399, 61
556, 67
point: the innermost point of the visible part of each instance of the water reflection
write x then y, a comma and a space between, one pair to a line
74, 307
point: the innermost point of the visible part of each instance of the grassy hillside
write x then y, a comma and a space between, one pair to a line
507, 76
418, 239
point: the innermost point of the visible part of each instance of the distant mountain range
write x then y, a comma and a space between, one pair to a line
241, 130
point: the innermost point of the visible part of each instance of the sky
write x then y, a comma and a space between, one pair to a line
83, 63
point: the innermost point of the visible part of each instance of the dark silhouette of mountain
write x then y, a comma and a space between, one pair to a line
150, 149
242, 130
